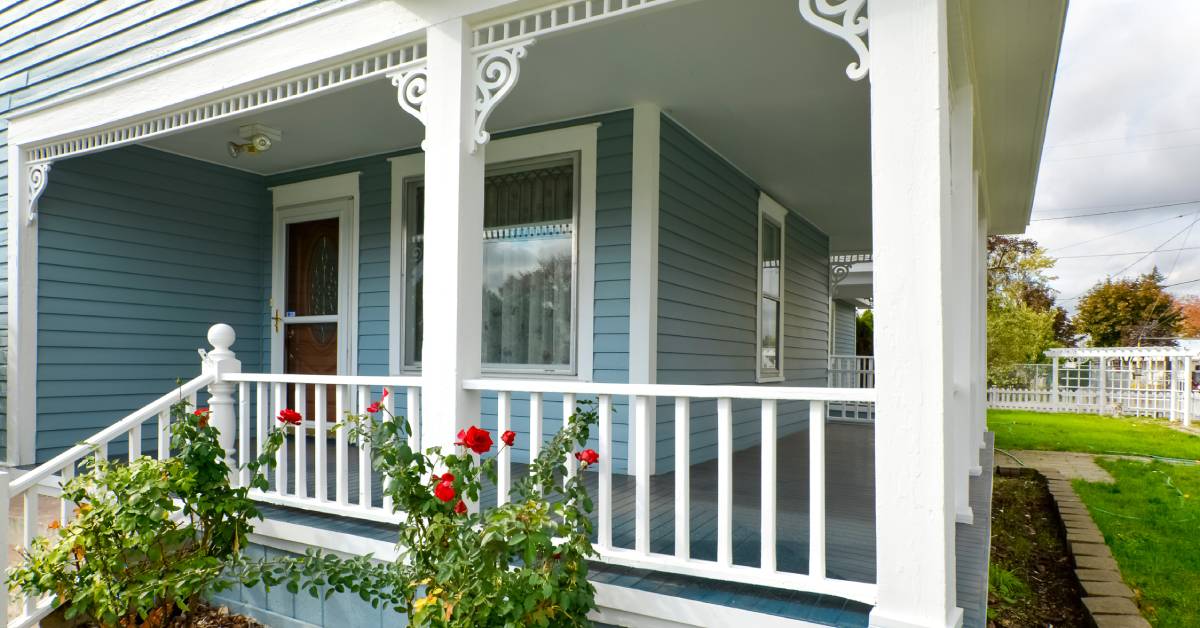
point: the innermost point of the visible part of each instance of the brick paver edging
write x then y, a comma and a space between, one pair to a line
1108, 600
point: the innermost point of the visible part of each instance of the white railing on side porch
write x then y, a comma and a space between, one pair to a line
643, 398
852, 371
45, 481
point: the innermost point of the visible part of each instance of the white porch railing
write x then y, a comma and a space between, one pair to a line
46, 479
642, 436
260, 397
851, 371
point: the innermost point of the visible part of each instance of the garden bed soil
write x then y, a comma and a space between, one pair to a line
1032, 582
203, 616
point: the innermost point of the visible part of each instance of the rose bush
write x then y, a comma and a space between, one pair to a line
147, 537
523, 563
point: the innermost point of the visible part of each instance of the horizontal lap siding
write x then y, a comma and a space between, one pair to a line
707, 310
52, 47
844, 328
139, 253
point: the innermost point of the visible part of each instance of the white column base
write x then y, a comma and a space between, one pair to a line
880, 619
976, 471
966, 516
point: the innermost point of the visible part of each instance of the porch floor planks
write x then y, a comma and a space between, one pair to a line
850, 529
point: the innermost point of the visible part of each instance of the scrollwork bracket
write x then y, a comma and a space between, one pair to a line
496, 73
847, 21
36, 178
411, 86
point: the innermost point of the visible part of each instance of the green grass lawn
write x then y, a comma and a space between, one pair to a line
1151, 520
1089, 433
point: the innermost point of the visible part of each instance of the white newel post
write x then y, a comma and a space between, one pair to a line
453, 264
220, 361
911, 221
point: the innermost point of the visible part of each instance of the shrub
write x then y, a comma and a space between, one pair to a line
523, 563
149, 536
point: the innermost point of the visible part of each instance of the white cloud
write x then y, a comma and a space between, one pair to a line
1124, 132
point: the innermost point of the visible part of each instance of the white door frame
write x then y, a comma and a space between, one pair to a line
330, 197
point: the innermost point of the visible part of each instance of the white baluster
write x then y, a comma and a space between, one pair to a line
389, 405
263, 405
28, 531
364, 453
300, 399
164, 434
725, 481
643, 433
535, 425
504, 464
280, 396
604, 536
244, 433
135, 442
568, 409
320, 443
816, 489
414, 417
341, 450
768, 486
683, 476
65, 506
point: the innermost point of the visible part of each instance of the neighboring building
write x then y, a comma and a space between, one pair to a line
496, 208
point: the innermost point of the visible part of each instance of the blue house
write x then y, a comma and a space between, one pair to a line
495, 209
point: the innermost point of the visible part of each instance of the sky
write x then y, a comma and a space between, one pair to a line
1123, 134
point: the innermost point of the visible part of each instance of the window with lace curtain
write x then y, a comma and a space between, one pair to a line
529, 266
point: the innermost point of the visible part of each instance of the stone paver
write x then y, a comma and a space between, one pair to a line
1096, 562
1098, 575
1106, 589
1121, 621
1084, 537
1090, 549
1071, 465
1110, 605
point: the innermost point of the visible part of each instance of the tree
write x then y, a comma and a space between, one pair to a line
1189, 307
1129, 312
1016, 334
864, 333
1018, 273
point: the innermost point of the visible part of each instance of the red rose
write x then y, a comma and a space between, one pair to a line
375, 407
444, 490
200, 411
384, 395
289, 416
587, 456
475, 439
508, 437
460, 508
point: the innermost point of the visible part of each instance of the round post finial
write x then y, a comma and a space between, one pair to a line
221, 337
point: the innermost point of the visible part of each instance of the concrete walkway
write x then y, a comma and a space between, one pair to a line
1071, 465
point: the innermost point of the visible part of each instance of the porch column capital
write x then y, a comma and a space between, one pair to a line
36, 178
846, 21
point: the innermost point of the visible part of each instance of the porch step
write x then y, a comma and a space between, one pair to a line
684, 600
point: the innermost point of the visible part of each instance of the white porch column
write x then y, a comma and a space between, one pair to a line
962, 223
453, 263
979, 297
643, 262
22, 308
1187, 391
911, 222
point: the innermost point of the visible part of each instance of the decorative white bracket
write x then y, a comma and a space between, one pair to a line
410, 90
837, 272
496, 73
36, 178
852, 28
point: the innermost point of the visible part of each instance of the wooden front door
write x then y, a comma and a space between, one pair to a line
310, 319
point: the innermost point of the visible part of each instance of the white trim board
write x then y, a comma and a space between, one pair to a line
624, 606
580, 139
328, 197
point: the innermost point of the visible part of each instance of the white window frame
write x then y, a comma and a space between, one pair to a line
769, 209
580, 140
329, 197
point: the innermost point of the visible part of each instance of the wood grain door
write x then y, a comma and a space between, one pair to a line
310, 318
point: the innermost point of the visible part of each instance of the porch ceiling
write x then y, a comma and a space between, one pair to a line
751, 78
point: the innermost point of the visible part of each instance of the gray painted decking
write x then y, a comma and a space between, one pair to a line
850, 528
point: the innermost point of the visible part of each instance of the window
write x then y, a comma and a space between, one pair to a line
531, 212
770, 291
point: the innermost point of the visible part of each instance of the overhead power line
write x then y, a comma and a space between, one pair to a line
1109, 235
1124, 137
1117, 211
1188, 248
